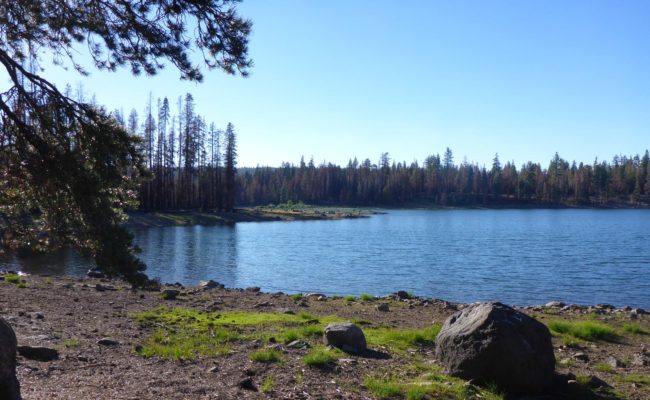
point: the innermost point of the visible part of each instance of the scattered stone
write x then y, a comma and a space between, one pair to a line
95, 273
286, 311
38, 315
633, 315
9, 386
210, 284
253, 289
351, 361
39, 353
247, 384
641, 359
107, 342
382, 307
346, 336
565, 362
213, 370
613, 362
493, 343
298, 344
102, 288
402, 295
581, 356
262, 304
315, 295
554, 304
170, 294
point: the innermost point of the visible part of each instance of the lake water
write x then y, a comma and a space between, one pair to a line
519, 257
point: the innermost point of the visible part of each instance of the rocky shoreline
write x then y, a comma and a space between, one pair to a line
101, 331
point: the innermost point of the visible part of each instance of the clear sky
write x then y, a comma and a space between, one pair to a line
337, 79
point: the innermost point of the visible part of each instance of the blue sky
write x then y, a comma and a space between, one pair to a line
337, 79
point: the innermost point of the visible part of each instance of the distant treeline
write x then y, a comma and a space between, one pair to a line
441, 182
192, 165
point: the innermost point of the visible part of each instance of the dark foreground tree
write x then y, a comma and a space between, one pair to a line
67, 168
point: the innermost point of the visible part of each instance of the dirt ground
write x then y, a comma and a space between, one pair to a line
71, 315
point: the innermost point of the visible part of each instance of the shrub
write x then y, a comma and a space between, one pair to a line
366, 297
635, 329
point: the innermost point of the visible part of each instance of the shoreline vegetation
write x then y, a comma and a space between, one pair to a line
284, 212
304, 212
206, 340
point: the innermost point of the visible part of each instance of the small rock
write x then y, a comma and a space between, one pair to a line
640, 359
170, 294
253, 289
554, 304
382, 307
107, 342
38, 353
346, 336
38, 315
102, 288
247, 384
298, 344
95, 273
613, 362
210, 284
213, 370
262, 304
286, 311
581, 356
402, 295
315, 295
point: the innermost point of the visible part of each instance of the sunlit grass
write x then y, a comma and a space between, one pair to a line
585, 330
401, 339
266, 356
321, 357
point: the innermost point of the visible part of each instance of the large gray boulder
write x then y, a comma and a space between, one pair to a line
492, 343
9, 388
346, 336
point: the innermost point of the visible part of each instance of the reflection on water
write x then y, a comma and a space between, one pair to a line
516, 256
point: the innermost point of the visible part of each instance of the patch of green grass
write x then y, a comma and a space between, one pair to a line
383, 388
572, 342
602, 367
431, 385
71, 343
585, 330
47, 281
320, 357
299, 378
635, 329
12, 278
268, 385
366, 297
401, 339
187, 344
180, 333
641, 379
167, 296
296, 297
266, 356
22, 285
349, 298
301, 332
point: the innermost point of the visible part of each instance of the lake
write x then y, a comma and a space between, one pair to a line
519, 257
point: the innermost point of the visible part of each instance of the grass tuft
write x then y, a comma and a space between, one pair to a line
266, 356
635, 329
585, 330
401, 339
12, 278
349, 298
366, 297
296, 297
384, 388
268, 385
320, 358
